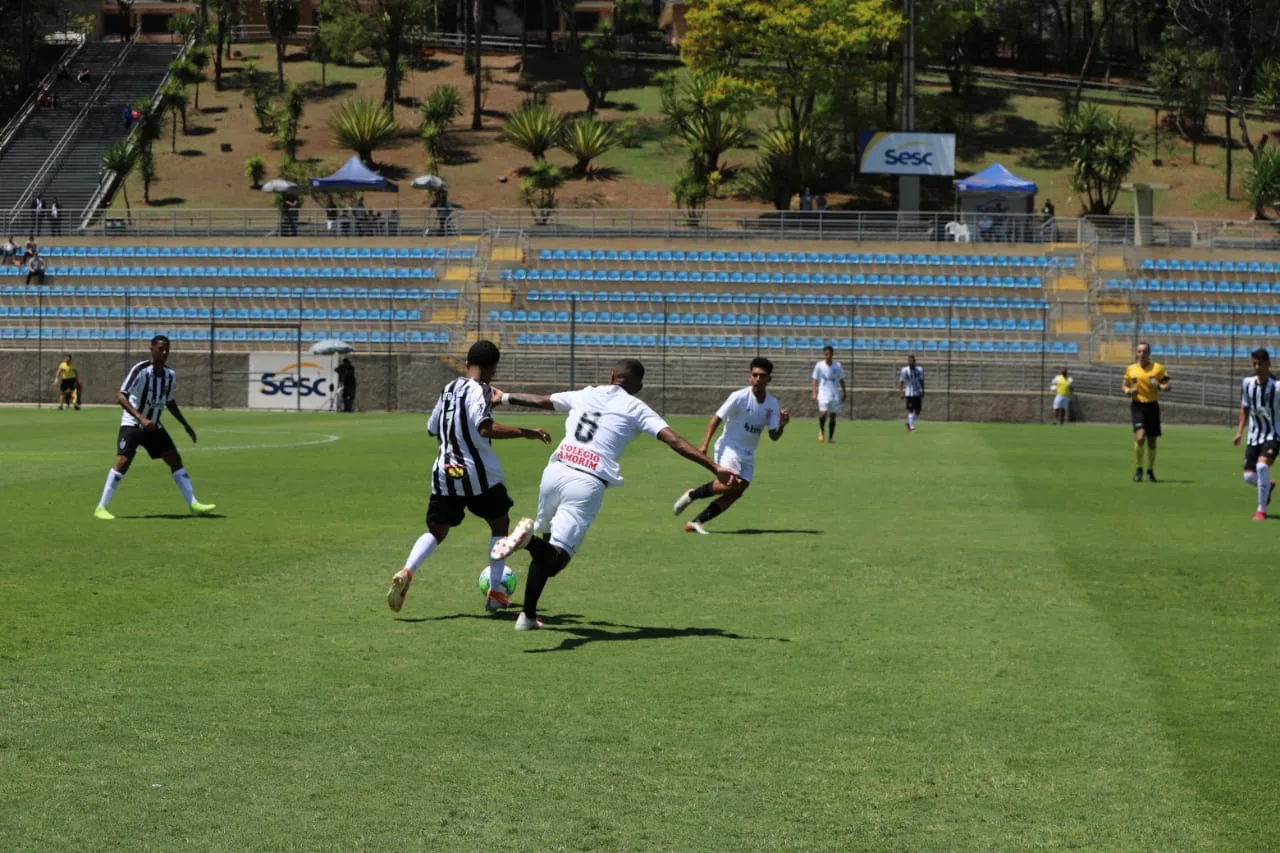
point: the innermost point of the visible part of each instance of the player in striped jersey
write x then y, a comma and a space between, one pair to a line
466, 474
1260, 409
911, 389
145, 395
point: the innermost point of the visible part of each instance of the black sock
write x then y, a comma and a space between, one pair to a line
543, 552
708, 513
534, 584
831, 428
702, 492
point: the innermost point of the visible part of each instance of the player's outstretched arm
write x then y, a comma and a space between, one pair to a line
495, 430
712, 426
1244, 417
526, 401
681, 445
172, 406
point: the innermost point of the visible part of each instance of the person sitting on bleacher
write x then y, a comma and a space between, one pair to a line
83, 76
10, 251
35, 269
31, 249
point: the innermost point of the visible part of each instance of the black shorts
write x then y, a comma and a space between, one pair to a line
451, 509
155, 441
914, 404
1254, 452
1146, 417
68, 385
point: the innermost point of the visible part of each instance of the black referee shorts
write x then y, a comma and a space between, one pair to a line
451, 509
156, 441
68, 385
1146, 417
1254, 452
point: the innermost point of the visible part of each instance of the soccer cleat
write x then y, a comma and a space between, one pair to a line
399, 589
524, 623
101, 512
682, 502
514, 541
496, 600
1137, 476
696, 527
1151, 476
198, 508
1260, 515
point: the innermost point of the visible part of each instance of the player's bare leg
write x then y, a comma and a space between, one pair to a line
1139, 443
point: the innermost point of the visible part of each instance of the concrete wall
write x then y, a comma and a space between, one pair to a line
411, 382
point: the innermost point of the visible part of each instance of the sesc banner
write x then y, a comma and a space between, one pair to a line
908, 153
279, 381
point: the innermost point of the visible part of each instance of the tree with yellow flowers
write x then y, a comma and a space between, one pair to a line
789, 52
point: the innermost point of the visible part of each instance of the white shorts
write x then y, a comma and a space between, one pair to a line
737, 460
568, 502
829, 404
1061, 401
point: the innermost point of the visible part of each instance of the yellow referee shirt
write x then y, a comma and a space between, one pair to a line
1146, 381
1062, 385
66, 371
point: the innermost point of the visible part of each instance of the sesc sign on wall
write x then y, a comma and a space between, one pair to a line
908, 153
280, 381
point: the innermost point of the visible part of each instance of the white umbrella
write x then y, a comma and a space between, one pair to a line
279, 185
430, 182
331, 346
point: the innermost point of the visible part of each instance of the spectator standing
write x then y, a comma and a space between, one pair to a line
806, 200
9, 252
55, 219
346, 386
393, 223
37, 207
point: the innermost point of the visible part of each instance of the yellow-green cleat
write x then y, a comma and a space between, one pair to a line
198, 508
101, 512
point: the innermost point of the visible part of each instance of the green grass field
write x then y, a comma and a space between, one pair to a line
973, 638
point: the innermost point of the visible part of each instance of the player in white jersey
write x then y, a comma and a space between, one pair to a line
603, 419
1260, 409
828, 392
911, 389
466, 474
145, 395
746, 414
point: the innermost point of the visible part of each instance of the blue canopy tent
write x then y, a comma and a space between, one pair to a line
984, 202
354, 176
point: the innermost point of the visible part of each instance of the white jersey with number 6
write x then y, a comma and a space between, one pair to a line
603, 420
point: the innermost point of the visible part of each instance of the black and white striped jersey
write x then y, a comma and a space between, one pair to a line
465, 464
912, 380
1258, 399
150, 390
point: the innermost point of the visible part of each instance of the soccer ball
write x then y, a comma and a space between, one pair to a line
508, 581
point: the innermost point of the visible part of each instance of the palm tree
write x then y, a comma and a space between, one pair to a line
174, 96
1262, 182
586, 139
363, 126
147, 171
538, 189
535, 128
120, 157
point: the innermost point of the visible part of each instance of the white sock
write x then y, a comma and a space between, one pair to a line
421, 550
1264, 484
495, 566
911, 419
183, 479
108, 491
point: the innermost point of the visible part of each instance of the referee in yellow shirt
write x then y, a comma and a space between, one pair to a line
65, 379
1143, 382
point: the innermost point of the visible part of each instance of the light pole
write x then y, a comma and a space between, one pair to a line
909, 185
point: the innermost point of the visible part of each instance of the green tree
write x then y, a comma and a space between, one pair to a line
1101, 150
228, 12
281, 17
175, 99
1262, 182
769, 178
599, 57
290, 118
363, 126
788, 52
586, 139
378, 27
534, 127
255, 169
950, 35
146, 171
708, 115
692, 189
120, 157
1183, 75
538, 190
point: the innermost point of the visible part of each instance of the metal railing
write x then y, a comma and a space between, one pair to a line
19, 118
